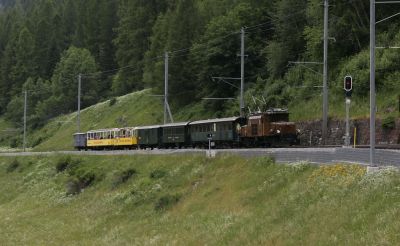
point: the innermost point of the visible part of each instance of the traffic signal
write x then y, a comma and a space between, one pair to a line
348, 83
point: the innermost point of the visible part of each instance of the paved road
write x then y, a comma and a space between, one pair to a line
314, 155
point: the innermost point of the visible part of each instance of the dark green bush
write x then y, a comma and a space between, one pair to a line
13, 166
14, 143
112, 101
63, 163
123, 176
75, 185
157, 174
166, 202
37, 141
389, 122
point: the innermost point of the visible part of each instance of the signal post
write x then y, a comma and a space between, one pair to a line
348, 88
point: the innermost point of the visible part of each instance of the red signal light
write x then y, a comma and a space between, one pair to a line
348, 83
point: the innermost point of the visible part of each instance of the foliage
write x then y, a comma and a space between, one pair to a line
223, 201
122, 177
112, 101
389, 122
166, 202
63, 163
157, 174
13, 165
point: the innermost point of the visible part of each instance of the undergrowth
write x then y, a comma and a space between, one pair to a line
186, 200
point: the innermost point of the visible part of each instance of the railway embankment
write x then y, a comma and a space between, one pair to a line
188, 199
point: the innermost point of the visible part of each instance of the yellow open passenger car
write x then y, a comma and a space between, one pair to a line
116, 138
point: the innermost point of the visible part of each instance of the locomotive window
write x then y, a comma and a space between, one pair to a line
279, 117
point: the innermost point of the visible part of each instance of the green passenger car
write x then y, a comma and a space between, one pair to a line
148, 136
224, 132
175, 135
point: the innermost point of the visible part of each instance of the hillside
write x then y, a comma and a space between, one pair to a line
190, 200
134, 109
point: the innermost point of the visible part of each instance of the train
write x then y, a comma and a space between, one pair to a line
270, 128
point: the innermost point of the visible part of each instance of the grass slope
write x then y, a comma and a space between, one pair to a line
139, 108
190, 200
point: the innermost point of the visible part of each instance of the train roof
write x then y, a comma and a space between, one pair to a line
230, 119
277, 111
147, 127
176, 124
104, 130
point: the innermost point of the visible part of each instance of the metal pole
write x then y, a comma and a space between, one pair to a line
209, 147
242, 74
25, 109
372, 83
347, 138
325, 75
166, 88
79, 102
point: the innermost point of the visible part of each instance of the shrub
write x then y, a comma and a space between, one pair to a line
112, 101
157, 174
75, 185
389, 122
63, 163
14, 143
13, 166
122, 177
37, 141
166, 202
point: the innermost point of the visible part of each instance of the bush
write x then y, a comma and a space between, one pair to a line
112, 101
122, 177
166, 202
389, 122
63, 163
75, 185
157, 174
13, 166
14, 143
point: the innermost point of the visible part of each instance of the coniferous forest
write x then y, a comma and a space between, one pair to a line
118, 46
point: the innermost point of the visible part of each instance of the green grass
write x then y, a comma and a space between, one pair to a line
312, 109
195, 201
